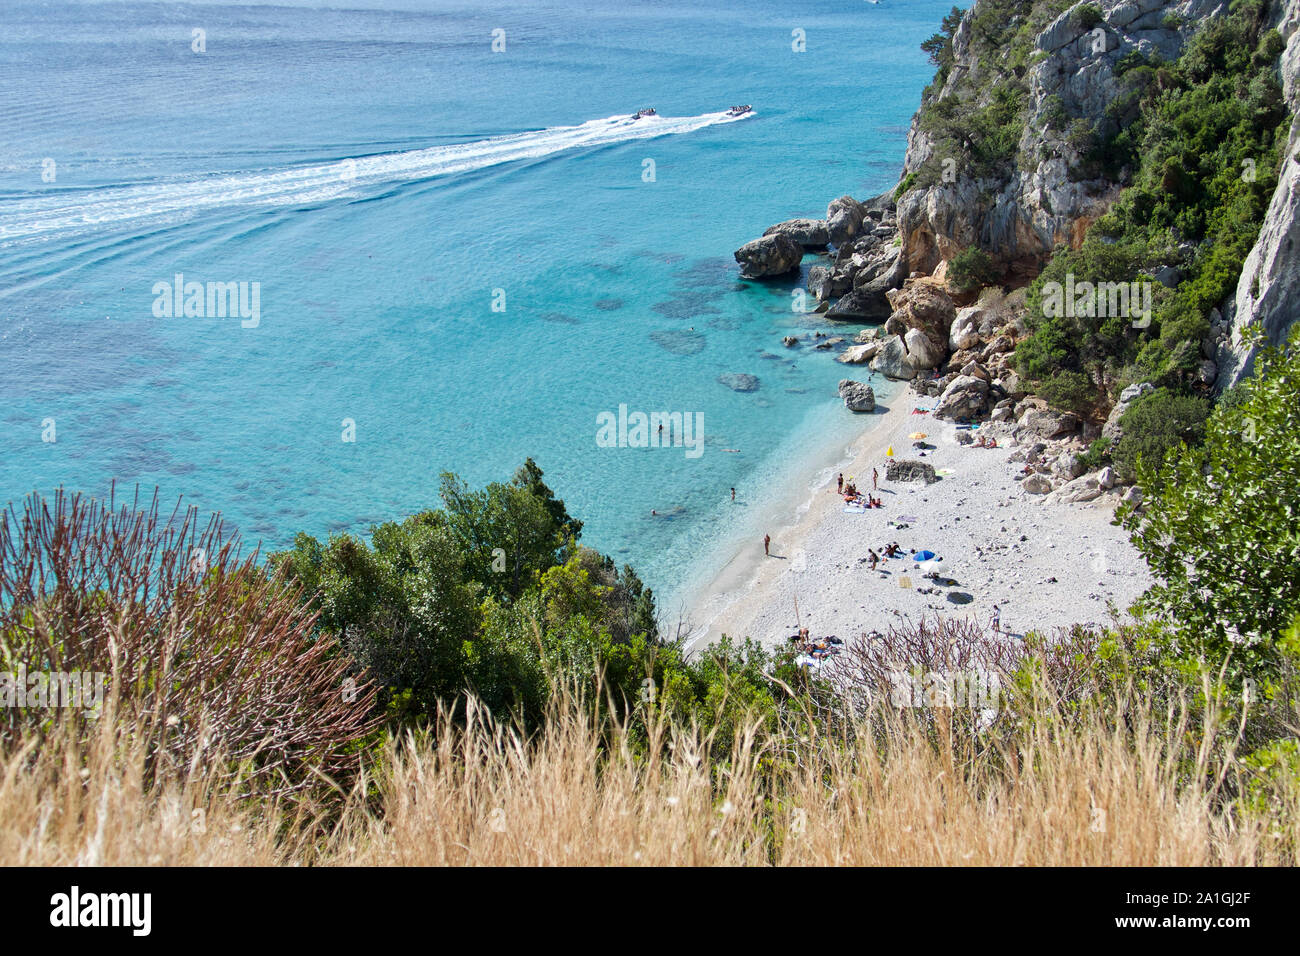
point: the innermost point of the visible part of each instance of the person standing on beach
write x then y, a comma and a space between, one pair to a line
839, 483
875, 479
997, 619
767, 541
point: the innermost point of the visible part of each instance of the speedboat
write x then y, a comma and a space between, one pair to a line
650, 111
740, 110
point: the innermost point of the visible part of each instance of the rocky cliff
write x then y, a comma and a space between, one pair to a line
1042, 197
1267, 294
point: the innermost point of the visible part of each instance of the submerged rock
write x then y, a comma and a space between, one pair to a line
739, 381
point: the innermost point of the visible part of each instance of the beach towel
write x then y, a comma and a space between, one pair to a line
855, 509
907, 518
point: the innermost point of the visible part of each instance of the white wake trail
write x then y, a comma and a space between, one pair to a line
294, 185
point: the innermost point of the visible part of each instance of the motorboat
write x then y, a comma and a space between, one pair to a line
740, 110
649, 111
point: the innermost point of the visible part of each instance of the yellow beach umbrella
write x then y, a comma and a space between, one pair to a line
889, 452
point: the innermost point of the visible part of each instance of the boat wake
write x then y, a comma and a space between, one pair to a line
36, 215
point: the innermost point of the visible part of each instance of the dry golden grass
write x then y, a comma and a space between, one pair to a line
1068, 793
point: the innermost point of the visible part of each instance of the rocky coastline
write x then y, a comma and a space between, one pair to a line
886, 262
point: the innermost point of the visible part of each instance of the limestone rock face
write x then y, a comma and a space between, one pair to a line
771, 255
1020, 213
891, 360
921, 352
809, 233
844, 219
1268, 292
858, 396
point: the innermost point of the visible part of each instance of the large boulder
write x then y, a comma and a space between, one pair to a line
908, 470
858, 396
1086, 488
809, 233
844, 219
772, 255
1036, 484
859, 354
891, 360
963, 398
965, 331
865, 304
922, 354
1048, 422
825, 283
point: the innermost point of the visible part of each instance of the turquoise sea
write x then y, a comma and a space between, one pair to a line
382, 178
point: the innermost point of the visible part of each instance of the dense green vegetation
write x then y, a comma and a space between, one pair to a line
492, 595
1221, 526
1197, 142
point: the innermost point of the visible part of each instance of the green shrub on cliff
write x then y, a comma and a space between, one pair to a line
1156, 425
971, 268
1200, 140
1221, 525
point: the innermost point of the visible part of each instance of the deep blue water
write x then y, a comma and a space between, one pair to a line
336, 157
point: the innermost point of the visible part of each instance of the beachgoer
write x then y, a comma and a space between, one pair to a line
653, 512
875, 479
767, 541
733, 494
873, 558
839, 483
997, 619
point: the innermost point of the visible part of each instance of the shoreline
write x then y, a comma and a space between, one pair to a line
1044, 564
743, 571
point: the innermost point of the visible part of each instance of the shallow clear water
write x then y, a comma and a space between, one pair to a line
380, 172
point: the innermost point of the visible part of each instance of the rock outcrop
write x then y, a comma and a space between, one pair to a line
891, 360
809, 233
1019, 213
772, 255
